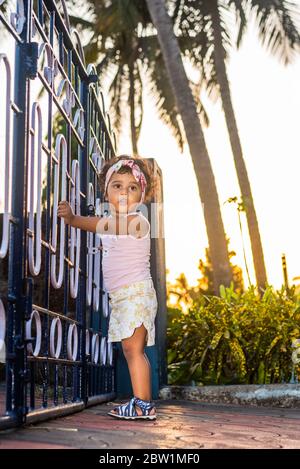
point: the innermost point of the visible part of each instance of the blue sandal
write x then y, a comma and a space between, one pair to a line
128, 411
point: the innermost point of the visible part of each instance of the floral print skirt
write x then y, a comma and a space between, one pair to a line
131, 306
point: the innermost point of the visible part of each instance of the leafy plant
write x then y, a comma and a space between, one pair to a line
237, 338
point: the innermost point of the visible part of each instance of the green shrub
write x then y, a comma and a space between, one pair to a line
236, 338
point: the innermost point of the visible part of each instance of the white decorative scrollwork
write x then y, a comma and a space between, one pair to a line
97, 262
103, 351
95, 154
38, 339
60, 144
69, 101
98, 161
2, 332
78, 122
75, 232
105, 304
17, 18
55, 350
87, 342
109, 354
95, 348
72, 342
35, 265
51, 69
74, 33
60, 87
91, 70
90, 256
5, 227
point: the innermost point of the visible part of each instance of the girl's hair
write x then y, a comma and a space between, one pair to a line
143, 165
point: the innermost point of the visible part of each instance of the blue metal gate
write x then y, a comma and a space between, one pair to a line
53, 308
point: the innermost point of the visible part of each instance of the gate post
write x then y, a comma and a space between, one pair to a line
156, 353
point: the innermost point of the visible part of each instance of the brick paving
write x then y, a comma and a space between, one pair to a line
180, 424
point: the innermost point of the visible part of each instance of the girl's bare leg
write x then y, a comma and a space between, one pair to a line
138, 365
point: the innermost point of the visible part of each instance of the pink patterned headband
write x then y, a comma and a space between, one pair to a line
136, 171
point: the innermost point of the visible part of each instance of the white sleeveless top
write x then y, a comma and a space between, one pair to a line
125, 259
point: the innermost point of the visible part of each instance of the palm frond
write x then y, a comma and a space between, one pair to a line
278, 25
196, 88
91, 50
4, 7
241, 20
118, 92
139, 109
78, 20
224, 14
199, 49
165, 102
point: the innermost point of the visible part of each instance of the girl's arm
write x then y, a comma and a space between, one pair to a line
93, 224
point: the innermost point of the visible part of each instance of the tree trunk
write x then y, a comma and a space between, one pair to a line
187, 109
256, 245
132, 113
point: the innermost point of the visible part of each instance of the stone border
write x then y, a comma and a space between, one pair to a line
277, 395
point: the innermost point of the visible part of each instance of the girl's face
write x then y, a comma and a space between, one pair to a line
123, 192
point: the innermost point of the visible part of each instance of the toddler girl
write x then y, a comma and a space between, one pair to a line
125, 234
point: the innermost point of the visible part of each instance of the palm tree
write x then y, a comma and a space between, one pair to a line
194, 134
128, 55
120, 53
243, 179
128, 43
277, 30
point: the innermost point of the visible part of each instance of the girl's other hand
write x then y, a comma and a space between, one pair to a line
65, 211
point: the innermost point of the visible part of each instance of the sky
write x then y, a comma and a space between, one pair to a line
266, 100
